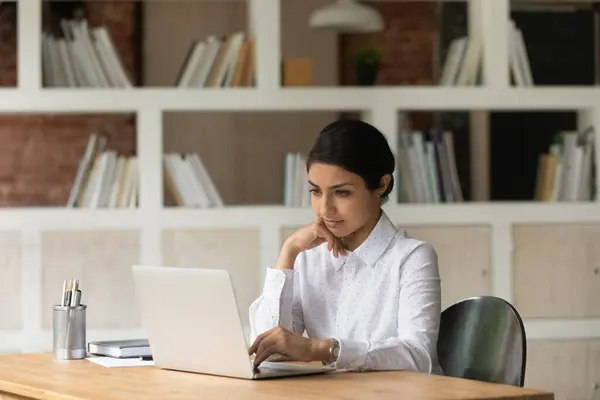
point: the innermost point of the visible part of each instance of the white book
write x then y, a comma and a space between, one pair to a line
98, 180
81, 57
234, 51
206, 180
452, 169
576, 174
105, 62
213, 44
126, 187
290, 167
523, 58
432, 171
422, 168
135, 184
83, 171
117, 181
515, 56
410, 191
58, 70
200, 195
83, 35
569, 155
193, 64
555, 150
414, 168
67, 62
107, 178
184, 180
171, 171
224, 66
102, 35
91, 183
455, 56
124, 175
585, 186
471, 62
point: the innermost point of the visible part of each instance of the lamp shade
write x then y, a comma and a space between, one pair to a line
347, 16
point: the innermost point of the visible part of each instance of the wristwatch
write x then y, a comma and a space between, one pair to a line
334, 351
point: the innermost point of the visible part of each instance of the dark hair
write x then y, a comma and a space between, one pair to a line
357, 147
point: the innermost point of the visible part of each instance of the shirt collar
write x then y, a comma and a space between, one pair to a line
374, 245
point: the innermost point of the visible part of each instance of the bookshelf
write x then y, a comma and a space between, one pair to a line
159, 234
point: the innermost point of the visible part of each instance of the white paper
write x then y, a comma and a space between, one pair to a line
110, 362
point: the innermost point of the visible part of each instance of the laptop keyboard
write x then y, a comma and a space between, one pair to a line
267, 367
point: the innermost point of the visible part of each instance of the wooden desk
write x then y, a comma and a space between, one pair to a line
39, 376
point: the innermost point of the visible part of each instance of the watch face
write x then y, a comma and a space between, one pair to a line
336, 348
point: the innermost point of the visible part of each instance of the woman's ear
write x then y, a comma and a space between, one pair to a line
384, 184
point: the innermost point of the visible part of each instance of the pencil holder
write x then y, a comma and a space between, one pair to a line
68, 332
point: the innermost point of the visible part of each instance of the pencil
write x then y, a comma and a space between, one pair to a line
64, 294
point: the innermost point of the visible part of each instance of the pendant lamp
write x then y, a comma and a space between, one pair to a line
347, 16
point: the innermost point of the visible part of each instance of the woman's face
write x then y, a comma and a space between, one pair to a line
341, 199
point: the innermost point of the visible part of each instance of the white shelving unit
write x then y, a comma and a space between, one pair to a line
379, 105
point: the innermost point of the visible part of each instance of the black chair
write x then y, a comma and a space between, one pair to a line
483, 338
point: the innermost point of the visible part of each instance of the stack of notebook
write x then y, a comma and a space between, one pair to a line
128, 348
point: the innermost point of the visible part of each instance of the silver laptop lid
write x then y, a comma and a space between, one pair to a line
192, 320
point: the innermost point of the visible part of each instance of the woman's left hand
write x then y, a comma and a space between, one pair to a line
288, 344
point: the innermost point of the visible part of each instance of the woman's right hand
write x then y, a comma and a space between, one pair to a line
307, 238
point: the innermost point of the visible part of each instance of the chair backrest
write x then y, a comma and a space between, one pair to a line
483, 338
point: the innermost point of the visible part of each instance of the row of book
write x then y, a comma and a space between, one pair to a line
219, 62
104, 179
567, 171
83, 57
295, 187
427, 170
463, 62
188, 181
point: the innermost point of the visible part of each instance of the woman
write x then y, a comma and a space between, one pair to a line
366, 294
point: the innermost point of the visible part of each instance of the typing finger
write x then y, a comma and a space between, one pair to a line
265, 343
264, 353
259, 340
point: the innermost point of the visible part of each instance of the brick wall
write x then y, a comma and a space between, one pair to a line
40, 153
408, 45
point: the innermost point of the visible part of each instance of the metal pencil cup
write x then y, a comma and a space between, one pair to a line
68, 332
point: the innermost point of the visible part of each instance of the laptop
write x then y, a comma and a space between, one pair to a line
193, 324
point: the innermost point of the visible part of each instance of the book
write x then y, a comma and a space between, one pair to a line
127, 348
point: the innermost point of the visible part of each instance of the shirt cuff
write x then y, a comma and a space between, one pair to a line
279, 288
353, 354
276, 280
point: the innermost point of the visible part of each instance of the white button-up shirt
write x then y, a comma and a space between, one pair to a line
381, 301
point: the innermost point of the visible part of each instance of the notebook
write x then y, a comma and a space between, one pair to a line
120, 348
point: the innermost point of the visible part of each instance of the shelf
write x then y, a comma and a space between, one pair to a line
402, 214
300, 99
279, 216
59, 218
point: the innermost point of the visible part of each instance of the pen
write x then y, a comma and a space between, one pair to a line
73, 292
77, 298
68, 292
